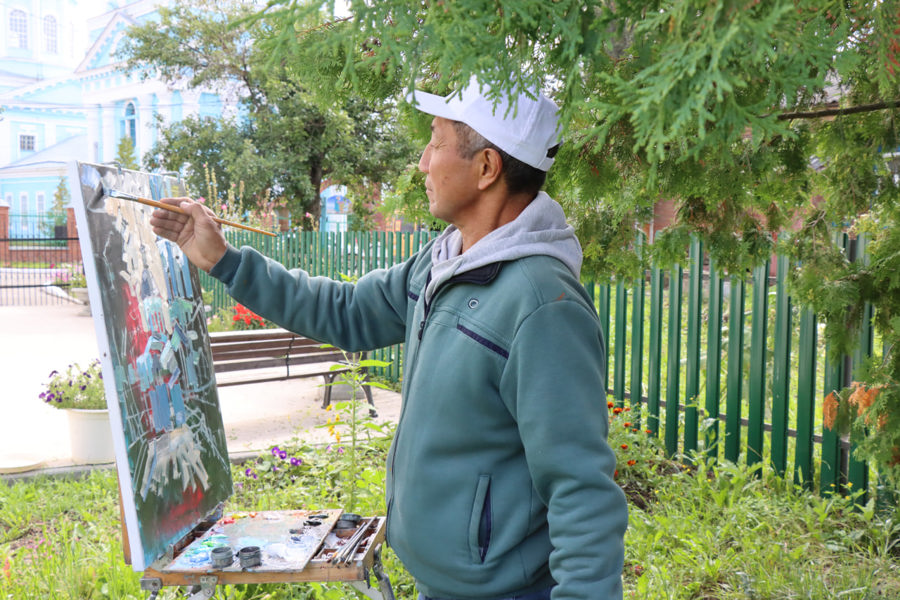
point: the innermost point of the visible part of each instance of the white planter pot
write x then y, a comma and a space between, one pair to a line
90, 436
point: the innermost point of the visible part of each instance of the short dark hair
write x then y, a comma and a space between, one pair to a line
519, 177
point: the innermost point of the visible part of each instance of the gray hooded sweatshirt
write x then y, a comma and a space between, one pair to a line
539, 229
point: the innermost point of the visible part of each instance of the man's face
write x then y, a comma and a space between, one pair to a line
450, 180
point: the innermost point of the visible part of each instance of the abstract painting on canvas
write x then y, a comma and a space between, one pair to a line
171, 452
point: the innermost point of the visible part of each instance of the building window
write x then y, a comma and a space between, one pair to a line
18, 29
26, 143
39, 200
23, 203
51, 44
130, 122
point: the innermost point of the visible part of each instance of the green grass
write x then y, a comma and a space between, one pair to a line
710, 532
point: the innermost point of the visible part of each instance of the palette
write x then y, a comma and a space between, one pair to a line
292, 545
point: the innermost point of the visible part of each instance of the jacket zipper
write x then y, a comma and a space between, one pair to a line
415, 359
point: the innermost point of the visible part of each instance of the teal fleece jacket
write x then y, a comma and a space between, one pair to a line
499, 477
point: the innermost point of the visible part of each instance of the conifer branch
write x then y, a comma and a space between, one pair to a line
833, 112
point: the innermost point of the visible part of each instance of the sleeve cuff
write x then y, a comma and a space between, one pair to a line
226, 268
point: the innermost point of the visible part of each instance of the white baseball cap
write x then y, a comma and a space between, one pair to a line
526, 131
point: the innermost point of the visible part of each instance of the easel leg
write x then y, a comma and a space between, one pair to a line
384, 591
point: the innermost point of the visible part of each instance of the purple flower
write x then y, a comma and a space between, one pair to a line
249, 472
275, 450
53, 373
282, 454
274, 469
341, 450
296, 462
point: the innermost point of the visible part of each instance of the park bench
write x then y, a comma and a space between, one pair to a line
262, 355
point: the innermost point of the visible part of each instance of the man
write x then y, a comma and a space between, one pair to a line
499, 478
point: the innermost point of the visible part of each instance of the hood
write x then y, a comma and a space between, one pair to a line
540, 229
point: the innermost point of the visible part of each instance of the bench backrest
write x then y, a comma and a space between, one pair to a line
262, 348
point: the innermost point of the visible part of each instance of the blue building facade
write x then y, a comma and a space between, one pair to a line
65, 97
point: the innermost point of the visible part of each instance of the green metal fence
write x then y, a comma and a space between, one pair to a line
731, 367
734, 368
333, 255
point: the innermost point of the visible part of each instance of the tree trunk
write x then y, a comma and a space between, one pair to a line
315, 178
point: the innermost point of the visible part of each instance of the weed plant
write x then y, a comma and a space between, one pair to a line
704, 531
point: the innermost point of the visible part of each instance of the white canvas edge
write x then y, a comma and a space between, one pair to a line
129, 510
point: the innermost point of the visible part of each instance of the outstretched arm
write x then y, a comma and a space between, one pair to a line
196, 233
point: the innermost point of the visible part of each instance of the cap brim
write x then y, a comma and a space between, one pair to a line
433, 104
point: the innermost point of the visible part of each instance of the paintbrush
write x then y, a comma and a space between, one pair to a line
179, 210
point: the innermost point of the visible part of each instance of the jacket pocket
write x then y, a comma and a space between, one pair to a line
480, 521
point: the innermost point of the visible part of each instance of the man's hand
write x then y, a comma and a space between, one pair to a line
196, 233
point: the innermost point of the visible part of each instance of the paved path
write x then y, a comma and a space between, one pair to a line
34, 340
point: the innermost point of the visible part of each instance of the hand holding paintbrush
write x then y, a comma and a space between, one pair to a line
193, 227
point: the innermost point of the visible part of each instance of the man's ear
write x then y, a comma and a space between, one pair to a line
490, 167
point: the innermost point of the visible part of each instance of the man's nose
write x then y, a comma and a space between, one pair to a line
425, 159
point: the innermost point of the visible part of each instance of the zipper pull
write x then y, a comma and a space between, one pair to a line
421, 329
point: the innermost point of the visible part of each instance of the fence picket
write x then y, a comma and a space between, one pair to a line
603, 311
713, 363
654, 362
735, 372
619, 351
637, 348
781, 369
806, 403
757, 384
692, 374
673, 362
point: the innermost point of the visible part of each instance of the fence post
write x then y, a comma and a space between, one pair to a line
4, 234
73, 247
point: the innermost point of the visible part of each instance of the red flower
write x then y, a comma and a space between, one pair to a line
624, 446
609, 404
632, 462
626, 424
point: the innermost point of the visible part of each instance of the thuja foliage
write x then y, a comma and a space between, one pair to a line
769, 123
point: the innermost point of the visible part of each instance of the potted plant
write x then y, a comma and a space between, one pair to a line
80, 392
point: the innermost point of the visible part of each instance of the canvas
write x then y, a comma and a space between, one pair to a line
168, 434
